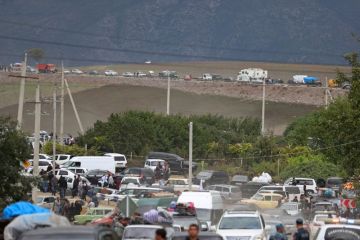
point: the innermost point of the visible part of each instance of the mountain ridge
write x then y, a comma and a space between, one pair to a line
180, 30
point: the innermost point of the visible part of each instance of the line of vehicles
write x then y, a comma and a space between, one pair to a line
248, 75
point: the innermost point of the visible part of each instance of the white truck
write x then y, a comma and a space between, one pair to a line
252, 75
106, 163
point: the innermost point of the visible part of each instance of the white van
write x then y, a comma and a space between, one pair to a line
92, 162
209, 205
62, 158
291, 191
120, 159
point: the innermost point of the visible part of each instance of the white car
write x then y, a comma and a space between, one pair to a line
318, 221
181, 184
77, 71
310, 184
110, 73
236, 225
78, 170
64, 173
128, 74
339, 231
120, 159
152, 163
43, 165
137, 181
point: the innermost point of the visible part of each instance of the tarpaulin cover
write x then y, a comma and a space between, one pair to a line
22, 208
32, 221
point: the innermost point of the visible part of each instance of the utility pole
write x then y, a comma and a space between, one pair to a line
54, 126
37, 137
168, 96
74, 107
62, 106
326, 93
263, 110
21, 94
190, 154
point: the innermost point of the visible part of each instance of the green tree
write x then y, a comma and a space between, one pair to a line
36, 53
14, 149
310, 165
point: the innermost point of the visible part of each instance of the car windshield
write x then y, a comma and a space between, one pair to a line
335, 181
336, 233
133, 171
240, 223
119, 158
139, 233
185, 221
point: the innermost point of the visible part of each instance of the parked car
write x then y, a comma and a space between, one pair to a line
152, 163
242, 224
128, 74
176, 163
291, 191
264, 200
180, 184
45, 201
43, 165
310, 184
229, 193
335, 183
147, 175
76, 71
239, 179
131, 180
94, 72
250, 188
201, 236
94, 175
92, 214
210, 177
144, 232
341, 230
71, 232
110, 73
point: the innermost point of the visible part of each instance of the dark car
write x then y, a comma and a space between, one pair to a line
239, 179
74, 232
94, 175
147, 175
335, 183
250, 188
176, 163
202, 236
210, 177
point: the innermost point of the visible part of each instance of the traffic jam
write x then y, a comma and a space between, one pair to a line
82, 199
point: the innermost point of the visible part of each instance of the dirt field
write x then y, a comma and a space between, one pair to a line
98, 96
98, 104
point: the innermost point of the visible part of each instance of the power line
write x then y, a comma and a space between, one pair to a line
162, 43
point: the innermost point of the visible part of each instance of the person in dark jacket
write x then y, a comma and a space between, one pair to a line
62, 186
301, 233
75, 186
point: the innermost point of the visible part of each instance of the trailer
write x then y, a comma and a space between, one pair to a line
252, 75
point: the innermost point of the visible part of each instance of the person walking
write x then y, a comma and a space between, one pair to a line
301, 233
54, 183
75, 186
280, 233
110, 181
57, 207
85, 189
62, 186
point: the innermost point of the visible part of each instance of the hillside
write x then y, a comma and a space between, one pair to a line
88, 32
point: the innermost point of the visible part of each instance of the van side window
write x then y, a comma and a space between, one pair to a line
267, 198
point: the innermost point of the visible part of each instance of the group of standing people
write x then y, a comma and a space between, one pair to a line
80, 188
162, 171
